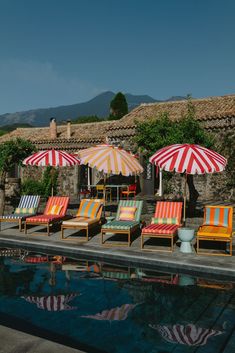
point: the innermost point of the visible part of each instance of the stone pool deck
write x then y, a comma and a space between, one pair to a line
220, 267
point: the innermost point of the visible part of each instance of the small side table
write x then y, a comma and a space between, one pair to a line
186, 235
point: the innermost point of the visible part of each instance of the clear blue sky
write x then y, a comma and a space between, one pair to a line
59, 52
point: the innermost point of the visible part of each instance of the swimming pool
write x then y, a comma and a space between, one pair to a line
101, 307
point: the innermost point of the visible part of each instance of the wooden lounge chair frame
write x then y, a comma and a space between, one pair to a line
216, 237
128, 232
53, 200
26, 201
82, 226
171, 237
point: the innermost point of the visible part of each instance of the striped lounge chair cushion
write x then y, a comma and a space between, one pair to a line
216, 216
120, 225
28, 201
169, 209
25, 210
165, 220
88, 209
54, 210
16, 216
167, 229
127, 213
42, 218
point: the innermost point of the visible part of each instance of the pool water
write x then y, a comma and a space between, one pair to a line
101, 307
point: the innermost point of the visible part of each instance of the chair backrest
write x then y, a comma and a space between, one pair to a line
218, 216
169, 209
100, 187
29, 201
59, 201
132, 187
129, 203
88, 203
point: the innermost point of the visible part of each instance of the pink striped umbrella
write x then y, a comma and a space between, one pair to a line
115, 314
52, 302
188, 159
51, 158
189, 335
110, 160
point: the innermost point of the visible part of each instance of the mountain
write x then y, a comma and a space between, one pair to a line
98, 106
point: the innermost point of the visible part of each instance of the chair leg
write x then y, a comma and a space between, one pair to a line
25, 227
20, 225
87, 235
101, 237
48, 229
62, 232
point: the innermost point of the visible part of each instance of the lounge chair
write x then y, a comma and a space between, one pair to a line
217, 227
55, 211
27, 207
127, 221
164, 225
88, 216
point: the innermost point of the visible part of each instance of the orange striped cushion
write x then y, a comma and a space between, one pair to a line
216, 216
54, 210
88, 209
127, 213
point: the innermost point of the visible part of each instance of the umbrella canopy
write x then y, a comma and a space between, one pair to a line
115, 314
189, 159
110, 160
51, 158
189, 335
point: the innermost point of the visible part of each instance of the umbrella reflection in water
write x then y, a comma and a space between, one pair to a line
189, 335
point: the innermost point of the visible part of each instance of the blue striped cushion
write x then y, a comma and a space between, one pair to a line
89, 209
217, 216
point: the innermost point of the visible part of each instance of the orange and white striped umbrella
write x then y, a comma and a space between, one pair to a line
110, 160
53, 158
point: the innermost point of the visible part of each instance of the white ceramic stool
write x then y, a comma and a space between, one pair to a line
186, 235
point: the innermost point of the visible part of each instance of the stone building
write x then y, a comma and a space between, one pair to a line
216, 114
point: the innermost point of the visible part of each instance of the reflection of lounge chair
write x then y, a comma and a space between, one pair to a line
217, 227
127, 221
88, 216
28, 206
164, 225
55, 211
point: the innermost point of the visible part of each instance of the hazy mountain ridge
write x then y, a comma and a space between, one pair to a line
98, 105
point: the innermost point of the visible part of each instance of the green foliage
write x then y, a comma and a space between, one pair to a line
118, 107
162, 131
50, 179
87, 119
227, 148
13, 152
43, 187
32, 187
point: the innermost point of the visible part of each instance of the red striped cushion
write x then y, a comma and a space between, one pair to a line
161, 229
42, 218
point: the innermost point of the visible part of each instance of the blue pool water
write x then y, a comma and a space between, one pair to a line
100, 307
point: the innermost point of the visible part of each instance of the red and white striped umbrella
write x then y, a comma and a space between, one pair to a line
53, 158
189, 335
189, 159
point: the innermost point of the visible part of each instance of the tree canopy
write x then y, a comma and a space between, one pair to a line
118, 107
162, 131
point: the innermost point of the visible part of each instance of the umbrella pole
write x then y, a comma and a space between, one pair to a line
184, 215
104, 194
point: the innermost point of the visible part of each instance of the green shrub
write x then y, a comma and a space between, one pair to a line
32, 187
